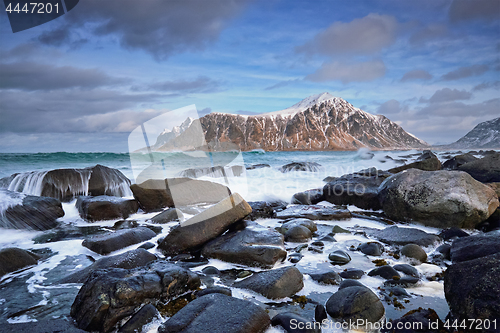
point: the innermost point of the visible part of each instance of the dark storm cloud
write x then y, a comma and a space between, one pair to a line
61, 36
348, 72
361, 36
487, 108
202, 84
38, 76
463, 72
447, 95
158, 27
487, 85
417, 74
462, 10
391, 106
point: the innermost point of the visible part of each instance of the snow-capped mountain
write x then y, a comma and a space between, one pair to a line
168, 135
484, 135
319, 122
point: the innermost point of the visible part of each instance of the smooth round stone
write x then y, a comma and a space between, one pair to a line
350, 283
405, 281
339, 257
444, 250
352, 273
407, 269
371, 248
211, 271
295, 257
298, 234
339, 230
414, 251
326, 278
318, 243
396, 291
320, 313
315, 249
386, 272
147, 246
328, 238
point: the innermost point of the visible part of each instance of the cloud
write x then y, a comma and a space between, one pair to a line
447, 95
463, 72
32, 76
61, 36
365, 35
202, 84
463, 10
417, 74
391, 106
282, 84
348, 72
432, 31
460, 109
160, 28
487, 85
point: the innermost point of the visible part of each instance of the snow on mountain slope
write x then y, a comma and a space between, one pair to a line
484, 135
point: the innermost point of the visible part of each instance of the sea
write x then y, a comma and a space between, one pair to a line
34, 294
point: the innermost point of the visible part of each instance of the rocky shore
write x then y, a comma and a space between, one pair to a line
419, 243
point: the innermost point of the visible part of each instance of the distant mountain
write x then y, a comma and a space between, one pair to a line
484, 135
319, 122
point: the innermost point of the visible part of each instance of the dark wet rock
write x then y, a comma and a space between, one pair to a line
427, 320
265, 209
352, 273
371, 248
309, 224
452, 233
274, 284
353, 303
472, 247
320, 313
31, 212
254, 246
213, 290
110, 295
328, 238
143, 317
386, 272
66, 232
407, 269
339, 257
486, 169
112, 241
444, 250
309, 197
42, 326
395, 291
211, 270
192, 234
359, 189
105, 208
350, 283
156, 194
147, 246
314, 212
414, 251
291, 322
472, 289
427, 162
455, 162
301, 166
298, 230
395, 235
215, 171
295, 257
405, 282
327, 278
13, 259
168, 215
128, 260
257, 166
339, 230
439, 199
217, 313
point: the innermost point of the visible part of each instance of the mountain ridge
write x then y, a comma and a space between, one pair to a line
483, 135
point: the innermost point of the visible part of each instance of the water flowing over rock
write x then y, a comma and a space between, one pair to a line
437, 198
113, 294
20, 211
301, 166
314, 212
218, 313
65, 184
215, 172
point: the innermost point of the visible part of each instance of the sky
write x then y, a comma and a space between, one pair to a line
86, 80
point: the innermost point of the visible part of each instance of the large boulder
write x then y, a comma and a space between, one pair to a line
265, 209
427, 162
274, 284
156, 194
13, 259
20, 211
472, 247
486, 169
472, 290
207, 225
314, 212
141, 318
292, 322
455, 162
128, 260
110, 295
112, 241
355, 303
217, 313
105, 208
359, 189
427, 321
309, 197
439, 199
58, 325
301, 166
402, 236
253, 246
